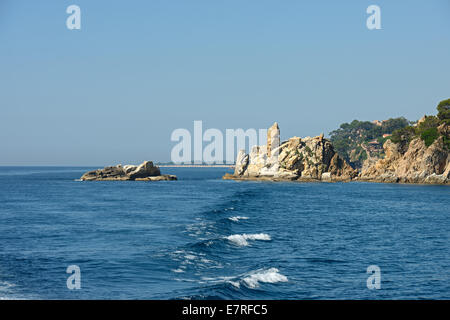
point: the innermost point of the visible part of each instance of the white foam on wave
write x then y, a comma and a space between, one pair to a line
237, 218
235, 284
217, 279
179, 270
192, 260
271, 275
241, 239
6, 292
4, 286
252, 279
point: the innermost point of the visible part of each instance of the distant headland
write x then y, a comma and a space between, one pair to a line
394, 150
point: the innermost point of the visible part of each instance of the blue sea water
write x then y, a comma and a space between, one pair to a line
205, 238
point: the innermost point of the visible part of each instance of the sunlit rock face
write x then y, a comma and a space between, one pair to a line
296, 159
416, 163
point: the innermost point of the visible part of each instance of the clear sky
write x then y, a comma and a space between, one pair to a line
114, 91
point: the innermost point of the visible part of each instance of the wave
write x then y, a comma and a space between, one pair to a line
237, 218
241, 239
5, 291
271, 275
251, 279
188, 261
179, 270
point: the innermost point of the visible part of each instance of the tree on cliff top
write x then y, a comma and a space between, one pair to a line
347, 140
444, 111
426, 129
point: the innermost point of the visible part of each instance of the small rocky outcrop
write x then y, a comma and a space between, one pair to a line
144, 172
302, 159
415, 163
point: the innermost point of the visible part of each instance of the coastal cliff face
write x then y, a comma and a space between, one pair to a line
303, 159
419, 153
315, 159
144, 172
413, 163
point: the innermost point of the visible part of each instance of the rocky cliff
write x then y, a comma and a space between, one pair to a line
302, 159
413, 162
144, 172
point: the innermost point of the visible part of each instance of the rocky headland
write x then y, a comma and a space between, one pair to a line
416, 153
412, 162
297, 159
143, 172
419, 153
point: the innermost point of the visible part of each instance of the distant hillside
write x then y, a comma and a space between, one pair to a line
360, 140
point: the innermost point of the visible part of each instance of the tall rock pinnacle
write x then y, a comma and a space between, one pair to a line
273, 138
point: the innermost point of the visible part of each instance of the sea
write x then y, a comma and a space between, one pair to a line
202, 237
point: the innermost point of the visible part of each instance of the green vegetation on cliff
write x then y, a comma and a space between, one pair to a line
358, 140
444, 111
352, 140
429, 128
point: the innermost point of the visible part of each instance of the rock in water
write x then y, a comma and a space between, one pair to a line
129, 168
307, 159
144, 172
241, 163
146, 169
107, 173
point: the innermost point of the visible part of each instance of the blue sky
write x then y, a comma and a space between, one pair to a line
114, 91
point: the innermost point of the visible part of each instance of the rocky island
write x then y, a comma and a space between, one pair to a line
144, 172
